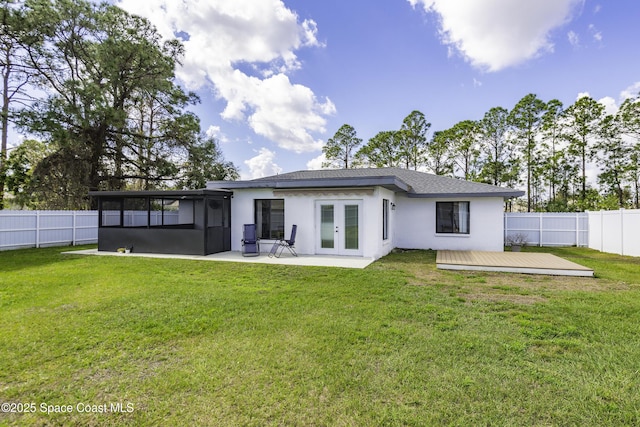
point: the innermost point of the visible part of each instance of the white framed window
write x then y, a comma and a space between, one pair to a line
269, 217
385, 219
452, 217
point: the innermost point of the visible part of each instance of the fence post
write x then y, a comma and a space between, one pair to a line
37, 229
506, 230
540, 229
621, 231
73, 224
601, 230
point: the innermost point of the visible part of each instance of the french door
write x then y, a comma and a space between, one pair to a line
339, 227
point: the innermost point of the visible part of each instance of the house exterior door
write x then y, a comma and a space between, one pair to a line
339, 227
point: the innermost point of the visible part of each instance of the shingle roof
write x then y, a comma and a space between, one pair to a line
414, 183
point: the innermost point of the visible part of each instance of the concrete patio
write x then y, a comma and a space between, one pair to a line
285, 259
510, 262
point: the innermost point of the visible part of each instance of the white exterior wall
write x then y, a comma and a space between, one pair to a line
416, 224
411, 224
301, 210
385, 246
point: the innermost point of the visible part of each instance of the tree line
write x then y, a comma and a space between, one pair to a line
95, 89
542, 146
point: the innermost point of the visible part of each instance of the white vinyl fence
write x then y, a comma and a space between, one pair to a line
29, 229
616, 232
549, 228
607, 231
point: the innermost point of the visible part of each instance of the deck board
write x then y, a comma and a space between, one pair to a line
517, 262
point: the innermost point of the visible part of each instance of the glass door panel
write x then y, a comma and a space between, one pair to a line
338, 227
327, 227
351, 231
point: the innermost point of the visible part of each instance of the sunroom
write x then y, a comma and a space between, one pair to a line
192, 222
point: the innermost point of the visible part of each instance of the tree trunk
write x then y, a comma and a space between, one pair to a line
529, 176
496, 172
584, 178
96, 144
5, 132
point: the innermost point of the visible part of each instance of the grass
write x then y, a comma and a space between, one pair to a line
399, 343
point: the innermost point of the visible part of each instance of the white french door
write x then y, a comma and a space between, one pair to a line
339, 227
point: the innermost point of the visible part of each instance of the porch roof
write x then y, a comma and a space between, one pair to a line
178, 194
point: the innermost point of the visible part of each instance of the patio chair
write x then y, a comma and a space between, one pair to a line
280, 245
250, 241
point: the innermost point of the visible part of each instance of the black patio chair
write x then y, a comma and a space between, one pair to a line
250, 241
280, 245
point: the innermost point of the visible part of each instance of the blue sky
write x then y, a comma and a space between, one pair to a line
277, 78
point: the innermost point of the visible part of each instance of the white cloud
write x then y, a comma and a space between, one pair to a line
610, 105
583, 95
216, 133
226, 37
496, 34
262, 165
476, 82
282, 111
213, 131
574, 39
316, 162
597, 35
630, 92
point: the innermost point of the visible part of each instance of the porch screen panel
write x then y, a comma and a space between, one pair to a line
351, 227
110, 213
136, 212
215, 213
218, 213
155, 212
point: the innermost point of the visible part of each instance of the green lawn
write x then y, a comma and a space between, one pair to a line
399, 343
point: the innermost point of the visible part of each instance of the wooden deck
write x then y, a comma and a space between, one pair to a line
511, 262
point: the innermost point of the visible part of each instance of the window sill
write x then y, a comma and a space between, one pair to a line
452, 235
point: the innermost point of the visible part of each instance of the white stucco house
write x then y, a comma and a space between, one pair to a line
368, 212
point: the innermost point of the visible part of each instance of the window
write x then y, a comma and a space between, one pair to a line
452, 217
110, 213
269, 216
385, 219
171, 212
136, 212
144, 212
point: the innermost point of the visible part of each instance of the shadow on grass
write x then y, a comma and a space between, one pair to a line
19, 259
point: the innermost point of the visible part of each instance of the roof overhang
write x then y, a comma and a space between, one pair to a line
389, 182
162, 193
503, 194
